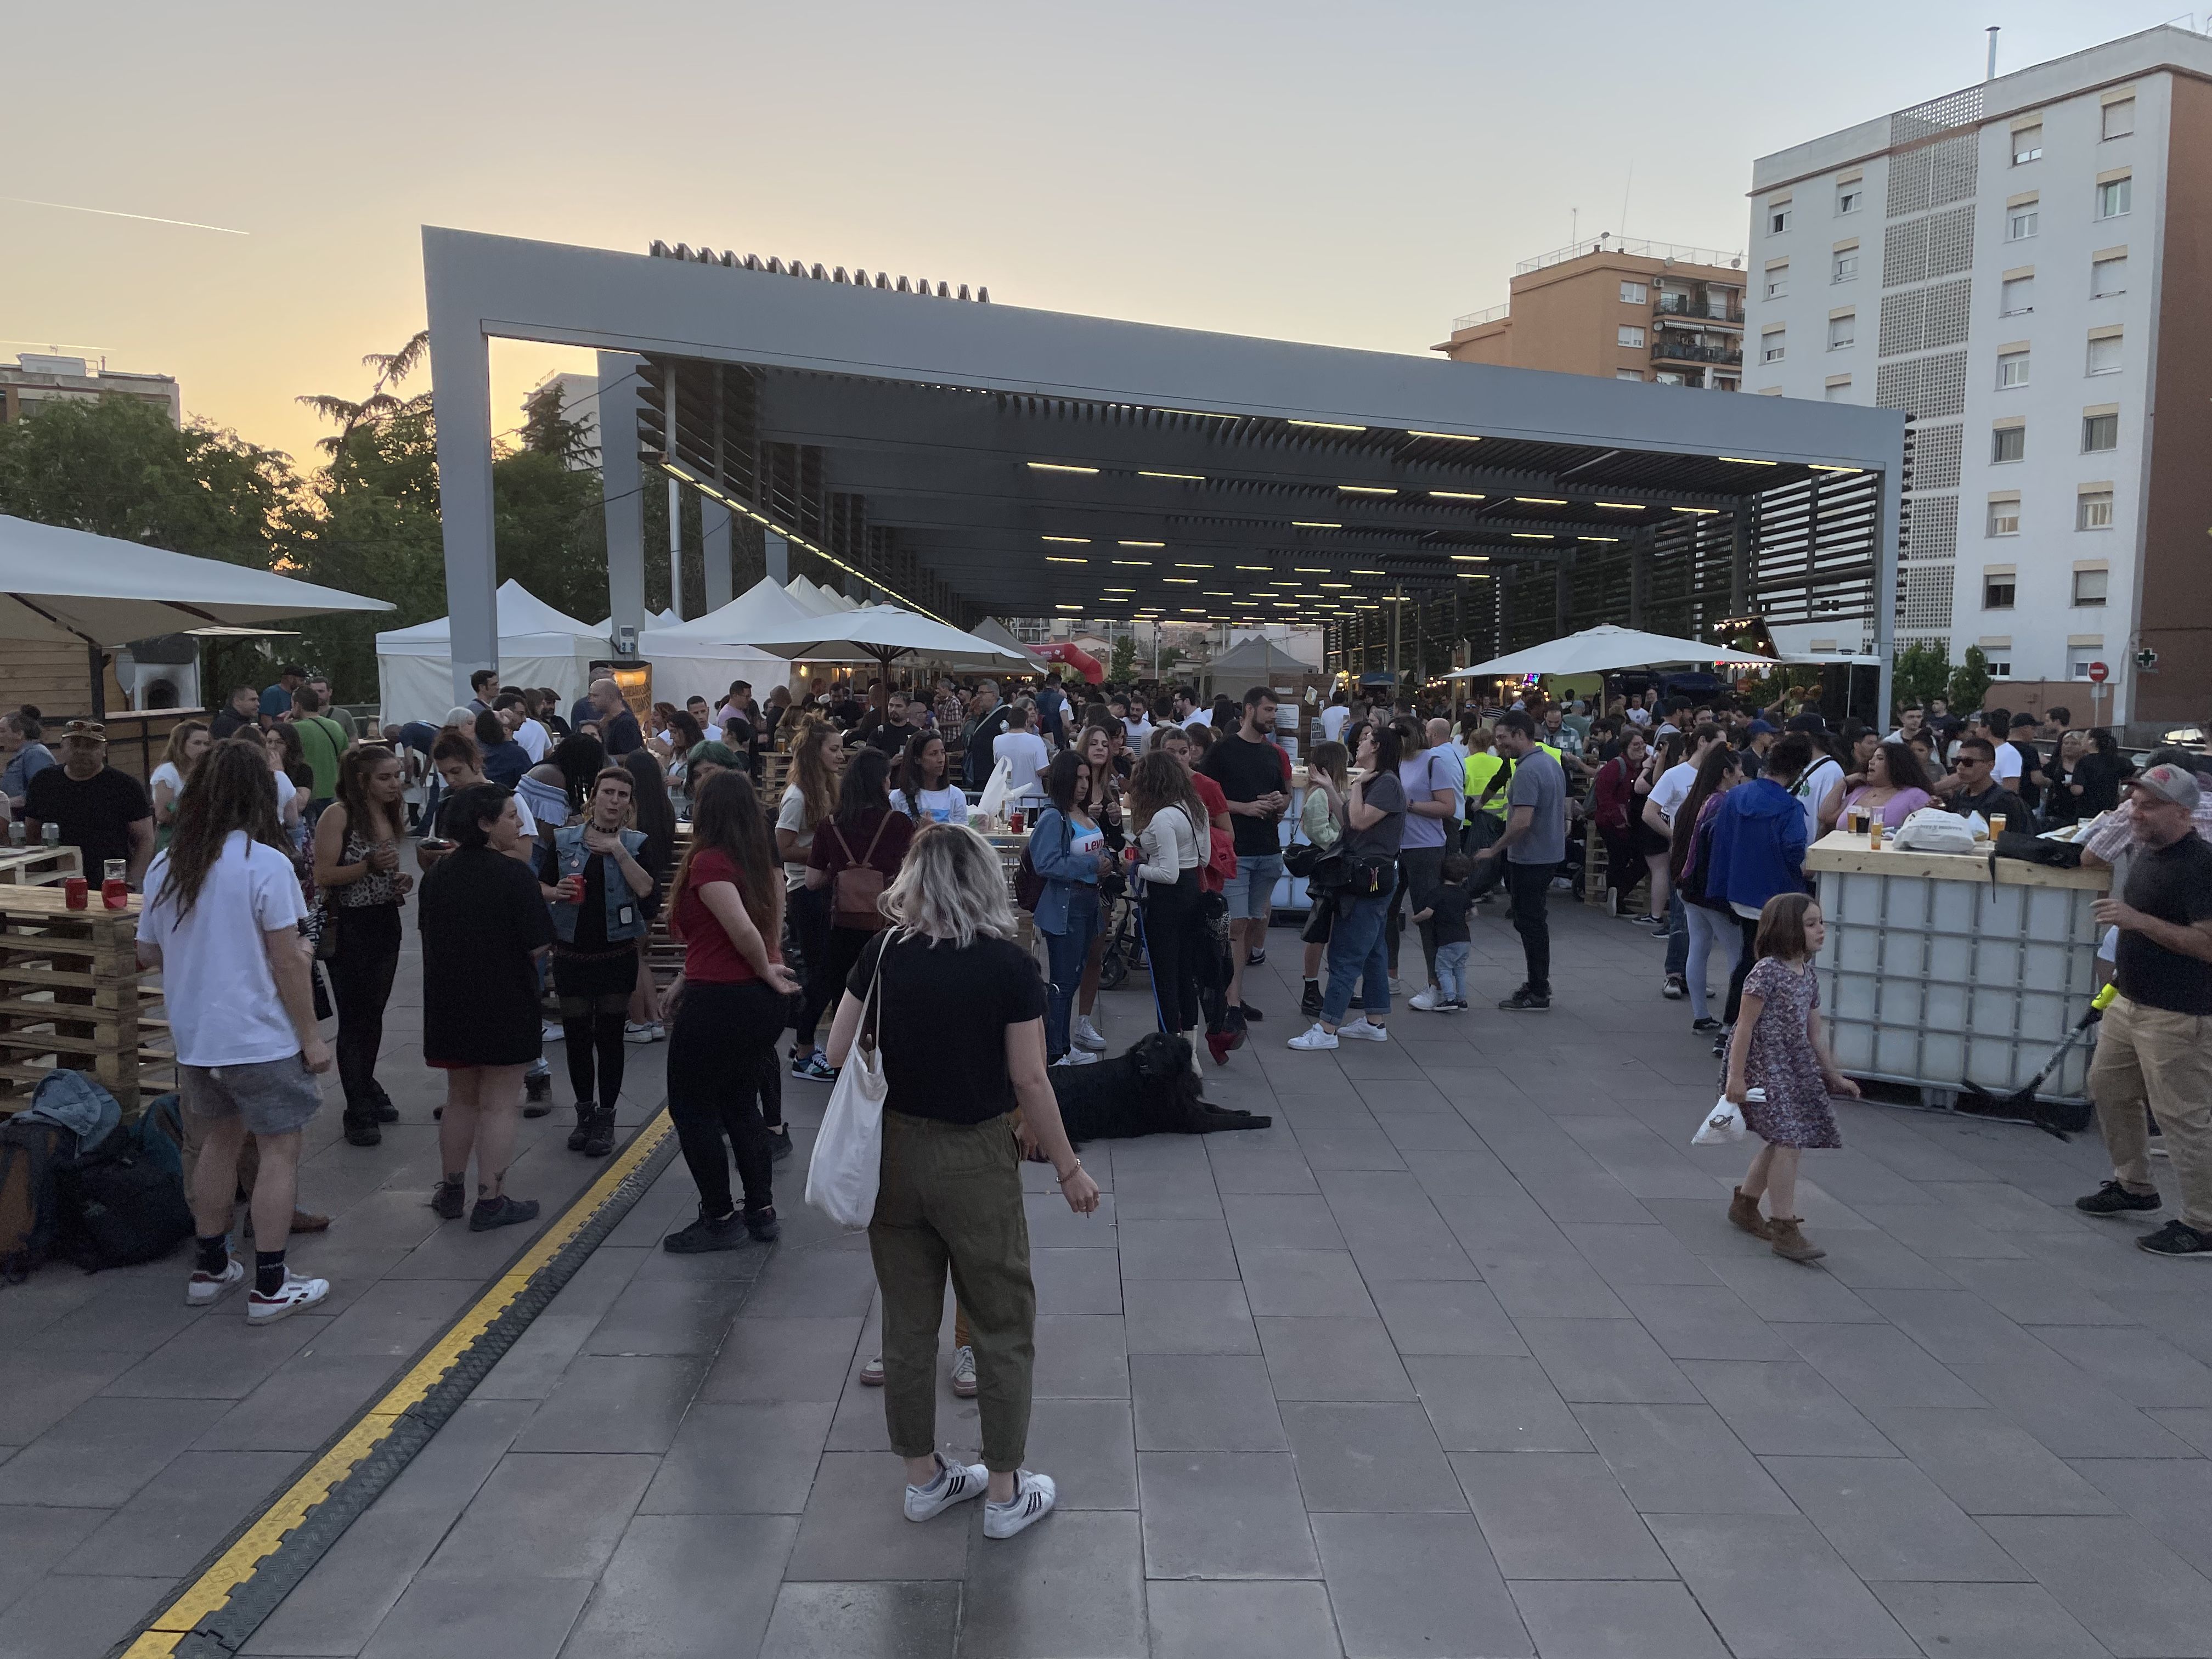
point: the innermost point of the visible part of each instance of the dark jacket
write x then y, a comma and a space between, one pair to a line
1758, 846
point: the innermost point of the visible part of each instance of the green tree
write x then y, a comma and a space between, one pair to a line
1122, 667
1969, 683
1923, 671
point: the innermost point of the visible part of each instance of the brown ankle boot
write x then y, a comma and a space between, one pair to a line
1790, 1242
1744, 1212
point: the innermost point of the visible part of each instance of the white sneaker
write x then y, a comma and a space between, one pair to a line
1315, 1036
964, 1373
1034, 1497
202, 1289
1427, 1001
549, 1030
1087, 1036
956, 1483
650, 1031
1077, 1057
297, 1293
1365, 1032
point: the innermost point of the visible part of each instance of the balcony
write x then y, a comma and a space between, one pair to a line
1707, 307
1678, 349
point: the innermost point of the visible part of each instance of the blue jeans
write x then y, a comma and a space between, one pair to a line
1678, 934
1356, 947
1707, 929
1451, 971
1067, 952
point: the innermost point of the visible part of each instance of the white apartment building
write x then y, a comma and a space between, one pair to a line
2022, 268
37, 381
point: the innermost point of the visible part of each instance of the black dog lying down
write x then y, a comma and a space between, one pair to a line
1149, 1091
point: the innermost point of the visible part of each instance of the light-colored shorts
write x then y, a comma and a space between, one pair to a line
1251, 890
274, 1096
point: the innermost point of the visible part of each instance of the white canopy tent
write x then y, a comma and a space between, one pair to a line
1606, 650
702, 656
883, 632
537, 646
817, 600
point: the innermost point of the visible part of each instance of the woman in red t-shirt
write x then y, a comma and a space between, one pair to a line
729, 1007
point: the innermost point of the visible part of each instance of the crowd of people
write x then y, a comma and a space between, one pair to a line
857, 905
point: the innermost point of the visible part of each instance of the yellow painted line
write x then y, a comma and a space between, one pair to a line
237, 1564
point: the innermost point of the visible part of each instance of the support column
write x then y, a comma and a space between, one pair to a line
1885, 590
714, 548
1397, 610
623, 485
1563, 589
676, 548
461, 364
1639, 574
777, 553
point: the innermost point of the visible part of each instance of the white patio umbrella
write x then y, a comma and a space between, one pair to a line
881, 631
63, 585
1606, 649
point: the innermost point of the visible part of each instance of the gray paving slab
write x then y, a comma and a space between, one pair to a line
1417, 1584
1212, 1619
686, 1587
1224, 1515
884, 1620
1615, 1621
1558, 1515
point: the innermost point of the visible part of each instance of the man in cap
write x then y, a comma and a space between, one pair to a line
2155, 1048
102, 812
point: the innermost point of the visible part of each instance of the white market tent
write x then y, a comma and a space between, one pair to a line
817, 600
1606, 650
702, 656
884, 632
537, 646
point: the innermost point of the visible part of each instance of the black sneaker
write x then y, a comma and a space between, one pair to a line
1254, 958
2177, 1239
1675, 987
599, 1134
1525, 1001
763, 1225
449, 1199
708, 1233
1707, 1023
385, 1111
582, 1131
778, 1145
1310, 1002
2112, 1199
501, 1211
362, 1131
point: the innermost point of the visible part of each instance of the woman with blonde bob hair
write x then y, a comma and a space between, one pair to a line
958, 1017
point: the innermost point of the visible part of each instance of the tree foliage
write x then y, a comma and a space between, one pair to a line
1122, 668
1970, 682
1922, 671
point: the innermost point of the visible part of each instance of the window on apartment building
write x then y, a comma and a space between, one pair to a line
2017, 297
1777, 218
1636, 374
2012, 369
2004, 516
1633, 293
1721, 303
2007, 443
1839, 392
2119, 117
2026, 145
1997, 592
1848, 197
2092, 510
1777, 282
1628, 334
2100, 432
2108, 277
1843, 330
2104, 354
2020, 222
1722, 383
2115, 197
1846, 267
1773, 347
1667, 377
2090, 586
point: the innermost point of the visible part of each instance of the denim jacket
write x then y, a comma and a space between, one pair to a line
570, 859
1051, 855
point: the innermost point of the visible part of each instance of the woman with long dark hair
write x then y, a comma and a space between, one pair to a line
557, 787
1375, 824
1068, 849
654, 814
863, 838
1172, 843
287, 759
1895, 788
727, 907
1710, 922
922, 786
1617, 809
2099, 774
357, 872
817, 753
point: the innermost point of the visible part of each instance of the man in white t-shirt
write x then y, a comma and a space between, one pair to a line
1667, 793
1189, 711
1025, 752
1335, 718
225, 932
514, 714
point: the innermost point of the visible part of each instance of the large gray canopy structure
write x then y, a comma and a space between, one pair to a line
963, 458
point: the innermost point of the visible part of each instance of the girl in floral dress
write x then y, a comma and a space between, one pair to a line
1779, 1048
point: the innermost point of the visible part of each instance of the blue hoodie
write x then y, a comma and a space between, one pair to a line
1757, 846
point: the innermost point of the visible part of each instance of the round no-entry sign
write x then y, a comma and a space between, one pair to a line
2098, 673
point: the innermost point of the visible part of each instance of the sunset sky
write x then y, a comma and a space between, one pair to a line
1356, 173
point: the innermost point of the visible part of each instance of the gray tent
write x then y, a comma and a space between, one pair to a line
1254, 662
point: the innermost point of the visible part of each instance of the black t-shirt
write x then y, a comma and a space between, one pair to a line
2031, 761
481, 916
95, 816
943, 1015
1247, 770
2174, 883
1449, 901
618, 735
1999, 808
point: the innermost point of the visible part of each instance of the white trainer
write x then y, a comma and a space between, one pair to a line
1428, 1001
1364, 1032
295, 1294
1034, 1497
1077, 1057
956, 1483
1087, 1036
204, 1289
1315, 1036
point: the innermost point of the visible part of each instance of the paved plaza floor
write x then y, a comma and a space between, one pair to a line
1460, 1358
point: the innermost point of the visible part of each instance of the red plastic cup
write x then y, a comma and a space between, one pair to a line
1014, 822
572, 889
115, 893
76, 892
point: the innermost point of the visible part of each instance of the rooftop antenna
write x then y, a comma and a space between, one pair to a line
1992, 73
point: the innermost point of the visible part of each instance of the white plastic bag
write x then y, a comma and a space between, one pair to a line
996, 788
1723, 1124
846, 1167
1932, 829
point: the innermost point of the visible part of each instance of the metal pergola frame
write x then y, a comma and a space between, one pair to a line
966, 458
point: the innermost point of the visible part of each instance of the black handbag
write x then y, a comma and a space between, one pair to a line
2034, 849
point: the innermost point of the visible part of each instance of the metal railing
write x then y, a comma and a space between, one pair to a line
1700, 307
1476, 318
1664, 349
1606, 242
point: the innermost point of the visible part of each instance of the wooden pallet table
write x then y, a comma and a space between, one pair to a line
71, 995
38, 866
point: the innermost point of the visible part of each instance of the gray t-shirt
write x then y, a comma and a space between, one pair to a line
1380, 839
1539, 783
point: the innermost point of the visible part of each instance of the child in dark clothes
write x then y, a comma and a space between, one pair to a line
1447, 909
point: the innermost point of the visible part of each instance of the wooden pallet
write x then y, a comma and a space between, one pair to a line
71, 995
38, 866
